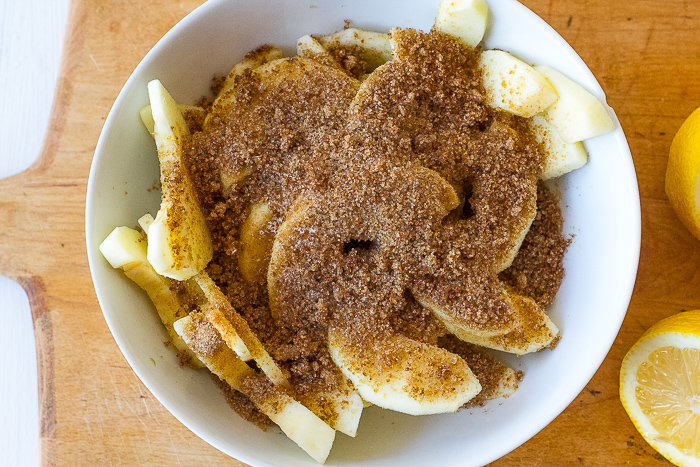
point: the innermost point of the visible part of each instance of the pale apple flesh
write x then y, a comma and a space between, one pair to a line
179, 243
126, 249
296, 421
560, 157
514, 86
256, 244
464, 19
577, 114
414, 384
224, 317
374, 46
531, 329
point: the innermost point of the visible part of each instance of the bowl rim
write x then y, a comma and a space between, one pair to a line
94, 256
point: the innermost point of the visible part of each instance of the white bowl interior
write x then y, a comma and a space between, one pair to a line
601, 209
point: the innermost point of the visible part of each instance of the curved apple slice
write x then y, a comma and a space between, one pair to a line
179, 242
252, 60
577, 114
522, 226
464, 19
560, 157
497, 379
375, 46
296, 421
228, 322
341, 408
421, 379
309, 47
513, 85
531, 331
454, 320
256, 244
191, 113
125, 249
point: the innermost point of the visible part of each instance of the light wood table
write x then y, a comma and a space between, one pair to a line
94, 411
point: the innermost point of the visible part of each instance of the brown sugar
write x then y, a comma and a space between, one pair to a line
537, 271
488, 370
384, 194
243, 405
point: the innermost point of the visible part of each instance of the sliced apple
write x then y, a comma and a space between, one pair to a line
513, 85
497, 378
126, 249
252, 60
179, 243
421, 379
520, 227
232, 180
256, 244
309, 47
145, 222
296, 421
577, 114
147, 116
464, 19
531, 331
228, 322
560, 157
233, 340
375, 46
341, 408
454, 321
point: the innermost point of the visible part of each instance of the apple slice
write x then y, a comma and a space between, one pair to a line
296, 421
192, 111
125, 249
308, 47
532, 330
375, 46
464, 19
234, 341
228, 322
421, 379
256, 244
252, 60
513, 85
145, 222
497, 379
340, 407
560, 157
179, 243
577, 114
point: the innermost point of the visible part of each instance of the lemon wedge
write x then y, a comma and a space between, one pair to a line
682, 173
660, 387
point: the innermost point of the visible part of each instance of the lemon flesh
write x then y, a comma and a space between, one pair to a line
682, 171
660, 387
667, 393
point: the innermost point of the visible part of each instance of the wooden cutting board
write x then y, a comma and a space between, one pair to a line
95, 411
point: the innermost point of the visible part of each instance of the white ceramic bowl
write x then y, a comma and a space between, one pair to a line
601, 209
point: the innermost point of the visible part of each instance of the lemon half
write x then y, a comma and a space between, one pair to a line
660, 387
683, 171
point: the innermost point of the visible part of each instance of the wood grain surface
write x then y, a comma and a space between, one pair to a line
95, 411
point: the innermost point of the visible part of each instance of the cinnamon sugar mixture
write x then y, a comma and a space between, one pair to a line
365, 229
